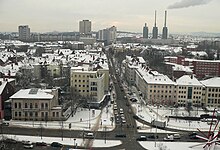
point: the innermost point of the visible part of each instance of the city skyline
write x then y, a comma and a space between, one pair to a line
47, 15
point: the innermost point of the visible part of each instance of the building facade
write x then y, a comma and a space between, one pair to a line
36, 104
24, 33
85, 27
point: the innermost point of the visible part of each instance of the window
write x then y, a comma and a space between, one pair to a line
93, 88
42, 105
31, 114
46, 105
57, 113
36, 106
26, 114
25, 105
53, 114
16, 114
19, 105
16, 105
31, 105
19, 114
36, 114
42, 114
75, 80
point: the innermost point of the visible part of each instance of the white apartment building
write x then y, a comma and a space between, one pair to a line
132, 63
36, 104
212, 92
90, 77
85, 27
189, 91
108, 35
156, 88
24, 33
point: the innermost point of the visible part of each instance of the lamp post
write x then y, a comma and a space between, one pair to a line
156, 125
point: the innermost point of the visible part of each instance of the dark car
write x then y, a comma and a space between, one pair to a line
120, 135
152, 136
41, 144
193, 135
56, 144
142, 138
10, 141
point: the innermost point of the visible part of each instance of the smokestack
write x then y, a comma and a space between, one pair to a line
165, 22
155, 24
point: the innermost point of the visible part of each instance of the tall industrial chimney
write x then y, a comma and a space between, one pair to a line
165, 29
155, 29
145, 31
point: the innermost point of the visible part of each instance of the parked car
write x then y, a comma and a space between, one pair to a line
123, 135
89, 135
193, 135
28, 145
176, 136
41, 144
142, 138
152, 136
169, 138
10, 141
56, 144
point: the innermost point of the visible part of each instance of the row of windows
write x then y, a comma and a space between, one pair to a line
213, 95
214, 90
161, 86
162, 96
82, 90
158, 91
81, 85
82, 81
214, 101
30, 105
34, 114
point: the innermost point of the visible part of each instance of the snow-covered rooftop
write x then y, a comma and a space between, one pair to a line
188, 80
32, 94
212, 82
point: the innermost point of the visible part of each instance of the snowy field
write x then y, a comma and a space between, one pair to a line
174, 146
65, 141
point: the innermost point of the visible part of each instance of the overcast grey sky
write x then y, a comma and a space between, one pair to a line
126, 15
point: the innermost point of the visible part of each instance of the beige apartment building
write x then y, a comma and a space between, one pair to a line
36, 104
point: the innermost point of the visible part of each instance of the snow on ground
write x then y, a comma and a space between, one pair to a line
173, 145
82, 119
149, 113
65, 141
148, 129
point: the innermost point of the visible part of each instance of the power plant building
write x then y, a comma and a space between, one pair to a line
145, 31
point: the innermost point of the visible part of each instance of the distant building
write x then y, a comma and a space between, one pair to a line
201, 68
24, 33
85, 27
108, 35
145, 31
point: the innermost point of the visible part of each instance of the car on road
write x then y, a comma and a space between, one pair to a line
89, 135
193, 135
121, 135
41, 144
152, 136
142, 138
28, 145
176, 136
169, 138
56, 144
